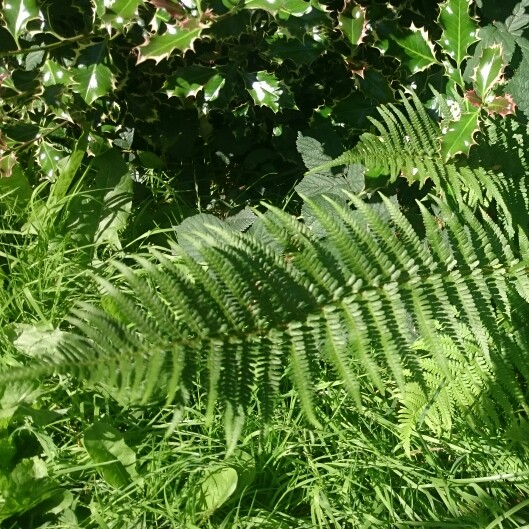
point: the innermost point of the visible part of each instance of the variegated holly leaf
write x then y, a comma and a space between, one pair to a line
502, 105
189, 81
418, 47
459, 30
92, 82
284, 9
17, 13
489, 71
458, 136
352, 23
53, 73
119, 13
266, 90
50, 159
159, 47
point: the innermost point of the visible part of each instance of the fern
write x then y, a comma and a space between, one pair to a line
355, 299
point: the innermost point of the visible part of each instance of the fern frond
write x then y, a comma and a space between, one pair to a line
356, 299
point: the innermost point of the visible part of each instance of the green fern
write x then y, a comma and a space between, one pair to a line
355, 299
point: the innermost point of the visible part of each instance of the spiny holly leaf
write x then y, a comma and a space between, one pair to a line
352, 23
189, 81
176, 37
284, 9
459, 30
17, 13
418, 48
459, 135
53, 73
49, 159
119, 13
502, 105
266, 90
489, 70
92, 82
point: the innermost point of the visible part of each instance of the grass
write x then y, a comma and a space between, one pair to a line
148, 469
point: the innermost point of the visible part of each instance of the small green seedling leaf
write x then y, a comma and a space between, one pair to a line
17, 13
418, 48
459, 135
352, 23
459, 30
489, 71
115, 459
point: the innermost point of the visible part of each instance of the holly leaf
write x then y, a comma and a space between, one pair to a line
53, 73
49, 159
418, 47
92, 82
17, 13
459, 30
352, 23
284, 9
459, 135
489, 70
266, 90
189, 81
179, 38
502, 105
119, 13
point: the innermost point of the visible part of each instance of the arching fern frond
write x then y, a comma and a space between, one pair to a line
356, 299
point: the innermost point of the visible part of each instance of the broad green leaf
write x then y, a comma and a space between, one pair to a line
92, 82
459, 135
216, 488
14, 184
160, 47
281, 8
418, 48
459, 30
115, 180
115, 460
352, 22
488, 72
26, 487
37, 341
17, 13
266, 90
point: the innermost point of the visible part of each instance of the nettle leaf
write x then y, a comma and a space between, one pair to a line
266, 90
519, 20
191, 80
518, 86
489, 71
459, 135
92, 82
160, 47
459, 30
352, 23
284, 9
17, 13
53, 73
418, 48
